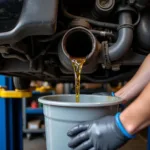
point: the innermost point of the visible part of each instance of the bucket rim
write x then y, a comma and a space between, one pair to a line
74, 104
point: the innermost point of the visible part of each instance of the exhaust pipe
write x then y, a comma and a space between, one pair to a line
79, 42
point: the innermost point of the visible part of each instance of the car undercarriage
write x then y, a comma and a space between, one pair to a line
37, 37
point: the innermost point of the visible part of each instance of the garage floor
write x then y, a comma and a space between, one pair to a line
39, 144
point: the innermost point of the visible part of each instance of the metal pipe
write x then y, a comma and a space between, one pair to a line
79, 42
123, 44
103, 33
14, 56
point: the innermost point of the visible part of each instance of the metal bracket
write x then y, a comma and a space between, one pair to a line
107, 62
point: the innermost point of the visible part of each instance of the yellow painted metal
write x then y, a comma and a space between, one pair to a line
44, 89
14, 94
4, 93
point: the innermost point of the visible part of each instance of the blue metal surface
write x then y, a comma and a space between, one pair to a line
10, 120
10, 123
148, 145
19, 133
34, 111
3, 135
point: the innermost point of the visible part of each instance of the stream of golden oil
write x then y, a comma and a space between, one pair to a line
77, 64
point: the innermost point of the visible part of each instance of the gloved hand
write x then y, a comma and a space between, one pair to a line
107, 133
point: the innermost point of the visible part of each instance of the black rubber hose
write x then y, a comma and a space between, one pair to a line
96, 23
125, 37
16, 48
138, 20
141, 4
54, 37
59, 34
20, 50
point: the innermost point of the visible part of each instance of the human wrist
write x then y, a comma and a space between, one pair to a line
128, 124
125, 129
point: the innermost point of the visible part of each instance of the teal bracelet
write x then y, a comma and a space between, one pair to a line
113, 94
121, 127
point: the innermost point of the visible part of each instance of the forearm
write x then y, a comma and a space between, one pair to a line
137, 83
137, 115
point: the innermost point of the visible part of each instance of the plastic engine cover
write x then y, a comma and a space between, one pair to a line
38, 17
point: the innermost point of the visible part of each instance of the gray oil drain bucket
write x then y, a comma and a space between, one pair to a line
62, 113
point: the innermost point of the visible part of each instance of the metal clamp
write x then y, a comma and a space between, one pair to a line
125, 26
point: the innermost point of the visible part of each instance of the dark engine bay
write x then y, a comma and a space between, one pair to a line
38, 36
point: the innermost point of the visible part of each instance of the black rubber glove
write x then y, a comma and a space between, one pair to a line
103, 134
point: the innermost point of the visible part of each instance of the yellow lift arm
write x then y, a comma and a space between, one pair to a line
14, 94
4, 93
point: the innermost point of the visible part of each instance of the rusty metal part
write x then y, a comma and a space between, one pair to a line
81, 23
